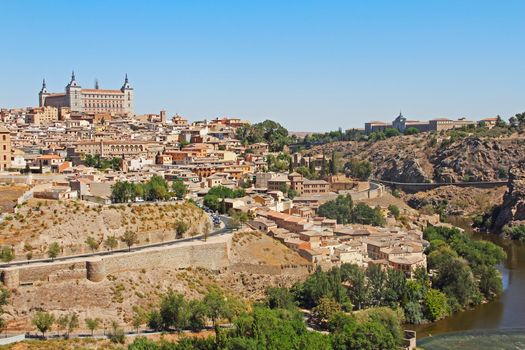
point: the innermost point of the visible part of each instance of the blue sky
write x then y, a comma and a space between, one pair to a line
311, 65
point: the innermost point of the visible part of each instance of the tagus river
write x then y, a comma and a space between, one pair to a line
499, 316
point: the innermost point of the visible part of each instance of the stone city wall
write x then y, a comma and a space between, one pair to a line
209, 255
375, 191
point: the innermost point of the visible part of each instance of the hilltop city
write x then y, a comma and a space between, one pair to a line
118, 221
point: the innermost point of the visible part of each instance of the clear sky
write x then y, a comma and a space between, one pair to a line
311, 65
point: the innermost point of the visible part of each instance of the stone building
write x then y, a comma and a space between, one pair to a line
117, 148
42, 115
94, 100
5, 148
401, 124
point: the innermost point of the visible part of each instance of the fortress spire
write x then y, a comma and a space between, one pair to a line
126, 85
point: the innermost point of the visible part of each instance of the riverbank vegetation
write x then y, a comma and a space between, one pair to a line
463, 268
275, 323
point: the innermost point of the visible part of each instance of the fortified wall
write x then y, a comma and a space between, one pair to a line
213, 255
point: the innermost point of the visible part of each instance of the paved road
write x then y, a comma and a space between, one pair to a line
222, 230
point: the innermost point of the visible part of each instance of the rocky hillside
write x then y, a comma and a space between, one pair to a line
475, 159
39, 223
434, 158
512, 210
257, 262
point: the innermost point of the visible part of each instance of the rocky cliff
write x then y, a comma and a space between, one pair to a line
476, 159
512, 210
434, 157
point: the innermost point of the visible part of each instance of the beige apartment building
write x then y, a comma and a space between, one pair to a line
5, 148
42, 115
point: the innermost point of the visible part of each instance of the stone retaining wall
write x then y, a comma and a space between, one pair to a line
210, 255
270, 269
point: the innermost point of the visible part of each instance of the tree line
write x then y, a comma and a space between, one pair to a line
343, 210
156, 188
96, 161
273, 323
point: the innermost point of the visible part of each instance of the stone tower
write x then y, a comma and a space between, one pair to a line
128, 96
42, 94
74, 95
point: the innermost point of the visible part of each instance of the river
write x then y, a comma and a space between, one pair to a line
507, 311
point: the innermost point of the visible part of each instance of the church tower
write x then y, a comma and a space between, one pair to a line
73, 95
128, 107
43, 94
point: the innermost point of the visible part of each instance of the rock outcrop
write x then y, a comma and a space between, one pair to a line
512, 210
434, 158
476, 159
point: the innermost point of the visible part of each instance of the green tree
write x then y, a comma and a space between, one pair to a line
123, 192
179, 188
394, 211
268, 131
111, 242
339, 209
43, 322
325, 310
72, 323
413, 313
138, 320
214, 198
411, 131
334, 163
359, 169
363, 214
280, 298
129, 238
7, 254
116, 334
4, 299
53, 250
490, 284
92, 243
435, 305
292, 193
216, 306
156, 188
377, 278
181, 228
391, 132
92, 324
155, 320
197, 315
364, 336
173, 311
358, 291
61, 323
